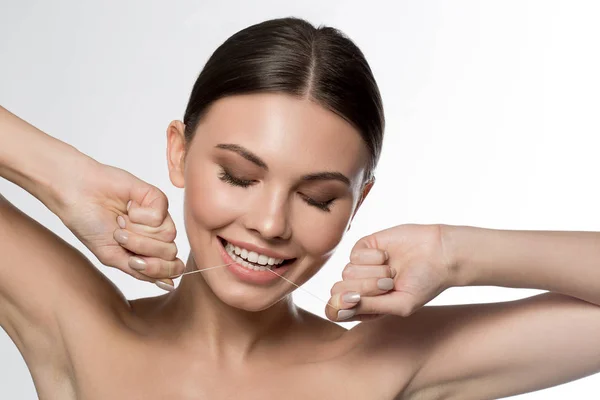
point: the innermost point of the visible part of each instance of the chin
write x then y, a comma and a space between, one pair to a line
244, 299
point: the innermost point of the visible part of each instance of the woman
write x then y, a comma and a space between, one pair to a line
276, 152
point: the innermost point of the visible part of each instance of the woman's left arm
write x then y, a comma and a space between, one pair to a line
481, 351
561, 262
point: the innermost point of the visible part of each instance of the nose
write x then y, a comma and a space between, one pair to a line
268, 216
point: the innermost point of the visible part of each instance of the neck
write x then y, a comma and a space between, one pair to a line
229, 333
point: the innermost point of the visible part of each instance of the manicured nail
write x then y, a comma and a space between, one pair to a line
137, 263
121, 236
128, 205
385, 284
121, 222
164, 286
345, 314
351, 297
393, 272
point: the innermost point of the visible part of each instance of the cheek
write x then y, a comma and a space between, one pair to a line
321, 235
208, 203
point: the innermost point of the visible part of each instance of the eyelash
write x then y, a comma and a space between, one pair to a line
232, 180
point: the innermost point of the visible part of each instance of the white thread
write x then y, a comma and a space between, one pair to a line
268, 269
314, 295
200, 270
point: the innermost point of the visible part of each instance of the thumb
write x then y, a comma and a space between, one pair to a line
366, 242
148, 205
367, 251
399, 303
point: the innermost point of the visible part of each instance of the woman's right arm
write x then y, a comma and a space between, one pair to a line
45, 283
40, 273
36, 161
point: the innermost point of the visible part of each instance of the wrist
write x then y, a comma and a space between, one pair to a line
455, 253
63, 185
39, 163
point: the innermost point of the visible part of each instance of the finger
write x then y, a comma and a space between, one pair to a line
352, 271
398, 302
145, 246
368, 256
165, 284
366, 287
119, 258
149, 216
366, 242
148, 197
166, 232
155, 267
340, 304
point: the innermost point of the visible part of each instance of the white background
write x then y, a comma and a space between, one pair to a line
492, 113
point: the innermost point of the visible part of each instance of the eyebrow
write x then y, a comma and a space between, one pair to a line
248, 155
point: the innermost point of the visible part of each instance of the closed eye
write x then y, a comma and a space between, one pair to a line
323, 205
232, 180
227, 177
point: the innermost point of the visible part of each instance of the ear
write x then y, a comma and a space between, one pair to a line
176, 153
365, 191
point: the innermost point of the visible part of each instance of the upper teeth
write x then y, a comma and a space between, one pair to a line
253, 256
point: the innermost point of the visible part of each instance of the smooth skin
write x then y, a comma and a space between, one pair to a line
217, 338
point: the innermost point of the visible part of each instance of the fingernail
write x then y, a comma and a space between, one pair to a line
137, 263
121, 222
393, 272
351, 297
345, 314
121, 236
164, 286
128, 205
386, 254
385, 284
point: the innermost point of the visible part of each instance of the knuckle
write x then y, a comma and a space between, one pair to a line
366, 286
335, 288
171, 252
133, 241
405, 310
180, 267
155, 219
169, 234
348, 272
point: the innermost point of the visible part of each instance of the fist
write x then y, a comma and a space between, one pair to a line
395, 271
123, 221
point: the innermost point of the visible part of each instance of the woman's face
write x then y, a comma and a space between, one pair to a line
271, 173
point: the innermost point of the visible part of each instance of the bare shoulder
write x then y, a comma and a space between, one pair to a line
489, 350
49, 291
394, 348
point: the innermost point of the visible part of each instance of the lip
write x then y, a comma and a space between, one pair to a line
257, 249
249, 275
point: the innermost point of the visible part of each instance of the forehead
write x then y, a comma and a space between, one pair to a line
280, 128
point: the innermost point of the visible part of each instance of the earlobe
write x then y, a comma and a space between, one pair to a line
176, 153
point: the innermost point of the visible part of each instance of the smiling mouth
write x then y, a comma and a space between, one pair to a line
252, 258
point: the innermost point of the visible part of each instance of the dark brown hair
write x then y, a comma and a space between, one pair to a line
289, 55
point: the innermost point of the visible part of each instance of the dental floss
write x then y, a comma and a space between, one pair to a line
200, 270
268, 269
314, 295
